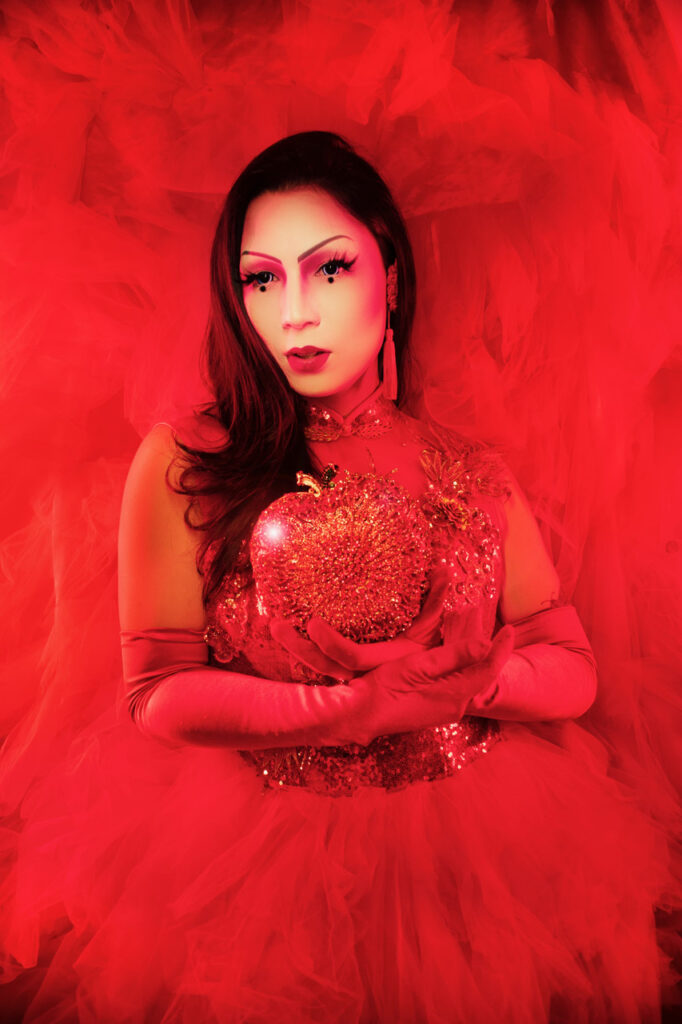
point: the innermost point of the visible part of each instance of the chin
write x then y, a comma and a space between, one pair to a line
322, 391
317, 388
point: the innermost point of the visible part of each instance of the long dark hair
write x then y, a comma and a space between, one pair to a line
261, 415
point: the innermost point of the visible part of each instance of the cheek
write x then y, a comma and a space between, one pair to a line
251, 307
374, 304
365, 307
259, 315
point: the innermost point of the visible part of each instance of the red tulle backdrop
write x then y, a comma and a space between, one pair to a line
535, 150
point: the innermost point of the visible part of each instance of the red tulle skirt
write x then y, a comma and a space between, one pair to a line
172, 888
535, 152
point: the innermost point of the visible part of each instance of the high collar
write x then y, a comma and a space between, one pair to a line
371, 417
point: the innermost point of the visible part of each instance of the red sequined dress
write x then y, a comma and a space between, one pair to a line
359, 549
476, 872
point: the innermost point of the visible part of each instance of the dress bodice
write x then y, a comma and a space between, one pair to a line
358, 547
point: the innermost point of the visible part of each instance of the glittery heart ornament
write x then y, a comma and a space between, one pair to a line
354, 550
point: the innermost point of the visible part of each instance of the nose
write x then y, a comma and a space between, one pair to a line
297, 308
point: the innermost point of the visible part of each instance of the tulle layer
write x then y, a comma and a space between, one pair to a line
521, 890
535, 151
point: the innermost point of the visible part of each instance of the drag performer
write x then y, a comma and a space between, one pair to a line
342, 620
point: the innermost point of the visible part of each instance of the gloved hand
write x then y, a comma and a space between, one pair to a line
432, 687
330, 653
552, 674
177, 697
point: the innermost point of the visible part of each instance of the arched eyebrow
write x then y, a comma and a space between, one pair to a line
303, 255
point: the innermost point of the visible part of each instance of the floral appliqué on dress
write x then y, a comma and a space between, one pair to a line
465, 485
471, 542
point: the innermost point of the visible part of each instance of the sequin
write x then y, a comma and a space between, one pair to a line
474, 547
391, 762
356, 552
315, 553
325, 425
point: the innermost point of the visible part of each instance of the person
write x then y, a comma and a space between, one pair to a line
342, 623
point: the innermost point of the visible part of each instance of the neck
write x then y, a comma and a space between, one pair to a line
345, 402
372, 416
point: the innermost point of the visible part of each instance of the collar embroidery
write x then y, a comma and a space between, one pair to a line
375, 415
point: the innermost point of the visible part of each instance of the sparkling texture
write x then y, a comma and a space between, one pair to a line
358, 550
355, 552
326, 425
456, 483
392, 762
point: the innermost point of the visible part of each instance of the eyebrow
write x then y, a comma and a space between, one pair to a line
303, 255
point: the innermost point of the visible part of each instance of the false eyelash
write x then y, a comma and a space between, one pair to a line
342, 261
248, 279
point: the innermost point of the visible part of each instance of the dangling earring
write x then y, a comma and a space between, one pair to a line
390, 382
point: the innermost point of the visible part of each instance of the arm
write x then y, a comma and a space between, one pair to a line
173, 694
552, 672
176, 697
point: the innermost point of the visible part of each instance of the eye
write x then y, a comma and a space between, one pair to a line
333, 268
261, 279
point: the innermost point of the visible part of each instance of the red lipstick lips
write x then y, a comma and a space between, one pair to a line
307, 359
304, 351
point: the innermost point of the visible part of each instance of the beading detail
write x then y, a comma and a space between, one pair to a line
463, 485
391, 762
324, 424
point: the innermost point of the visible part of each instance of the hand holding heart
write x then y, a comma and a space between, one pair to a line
410, 682
430, 687
330, 653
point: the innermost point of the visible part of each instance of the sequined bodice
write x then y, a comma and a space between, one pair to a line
359, 550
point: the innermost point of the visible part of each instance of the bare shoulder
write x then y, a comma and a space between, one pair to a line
159, 583
531, 580
158, 444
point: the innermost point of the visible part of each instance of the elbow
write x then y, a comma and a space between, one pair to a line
148, 716
587, 693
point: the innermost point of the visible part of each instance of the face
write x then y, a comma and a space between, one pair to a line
313, 275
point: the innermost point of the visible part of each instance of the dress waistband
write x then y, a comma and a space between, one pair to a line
390, 762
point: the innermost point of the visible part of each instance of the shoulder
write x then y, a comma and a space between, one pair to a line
155, 456
201, 430
159, 502
159, 583
151, 491
157, 449
164, 450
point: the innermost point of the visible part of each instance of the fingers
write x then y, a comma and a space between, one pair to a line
500, 649
475, 659
305, 651
478, 677
471, 658
443, 661
333, 654
339, 648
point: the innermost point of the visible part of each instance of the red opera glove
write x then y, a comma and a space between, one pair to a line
175, 696
332, 654
432, 687
551, 674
